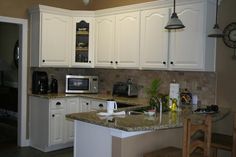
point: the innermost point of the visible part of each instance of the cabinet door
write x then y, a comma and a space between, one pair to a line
84, 105
187, 45
57, 121
127, 40
55, 40
98, 105
154, 39
72, 106
105, 36
83, 42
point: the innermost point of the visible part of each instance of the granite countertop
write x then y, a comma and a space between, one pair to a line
128, 100
144, 122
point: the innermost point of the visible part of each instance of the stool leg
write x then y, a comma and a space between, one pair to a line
213, 152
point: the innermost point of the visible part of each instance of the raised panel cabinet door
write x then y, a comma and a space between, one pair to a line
83, 42
55, 40
187, 45
84, 105
57, 121
154, 39
127, 40
98, 105
105, 40
72, 106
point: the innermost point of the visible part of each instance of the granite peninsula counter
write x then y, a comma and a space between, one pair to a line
135, 101
104, 134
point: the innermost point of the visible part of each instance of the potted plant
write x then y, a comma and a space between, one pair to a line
155, 97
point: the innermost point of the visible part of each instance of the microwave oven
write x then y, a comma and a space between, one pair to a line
81, 84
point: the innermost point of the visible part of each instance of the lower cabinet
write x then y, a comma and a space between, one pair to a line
49, 128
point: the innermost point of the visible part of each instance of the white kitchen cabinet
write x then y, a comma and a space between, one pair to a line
72, 106
84, 104
187, 49
50, 39
154, 39
187, 45
56, 126
127, 40
98, 104
49, 128
87, 104
105, 41
117, 40
83, 42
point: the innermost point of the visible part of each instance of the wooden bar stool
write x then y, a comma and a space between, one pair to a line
224, 142
190, 144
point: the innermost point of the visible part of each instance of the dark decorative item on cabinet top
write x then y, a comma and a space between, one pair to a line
216, 32
229, 37
174, 22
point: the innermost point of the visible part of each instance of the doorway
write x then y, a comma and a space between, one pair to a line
22, 139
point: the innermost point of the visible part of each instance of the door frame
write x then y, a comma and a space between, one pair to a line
22, 139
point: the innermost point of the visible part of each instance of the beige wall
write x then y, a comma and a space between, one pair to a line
18, 8
226, 66
102, 4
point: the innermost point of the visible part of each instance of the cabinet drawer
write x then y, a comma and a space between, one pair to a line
98, 105
57, 104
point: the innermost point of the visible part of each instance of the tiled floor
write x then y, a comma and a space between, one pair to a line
30, 152
8, 148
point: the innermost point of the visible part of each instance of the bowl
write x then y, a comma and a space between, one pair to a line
149, 113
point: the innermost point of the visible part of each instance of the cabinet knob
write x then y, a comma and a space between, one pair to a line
171, 62
116, 62
53, 115
164, 62
58, 103
43, 60
87, 103
100, 105
89, 61
111, 62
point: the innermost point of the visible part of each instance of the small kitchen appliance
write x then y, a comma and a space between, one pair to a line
81, 84
111, 106
39, 82
53, 85
127, 89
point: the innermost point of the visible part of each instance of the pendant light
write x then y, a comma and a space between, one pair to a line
216, 32
174, 22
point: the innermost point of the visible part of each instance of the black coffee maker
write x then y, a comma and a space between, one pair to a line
39, 82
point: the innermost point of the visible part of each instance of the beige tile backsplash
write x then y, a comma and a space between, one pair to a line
203, 84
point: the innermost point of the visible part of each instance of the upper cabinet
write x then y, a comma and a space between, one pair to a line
130, 37
127, 40
154, 39
187, 50
105, 41
117, 41
50, 39
83, 42
181, 49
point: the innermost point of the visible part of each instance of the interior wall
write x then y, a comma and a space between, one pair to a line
226, 66
103, 4
9, 36
18, 8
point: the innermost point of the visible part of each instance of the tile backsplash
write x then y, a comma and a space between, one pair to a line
203, 84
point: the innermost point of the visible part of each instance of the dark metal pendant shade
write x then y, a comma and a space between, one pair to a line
216, 32
174, 22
